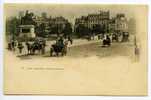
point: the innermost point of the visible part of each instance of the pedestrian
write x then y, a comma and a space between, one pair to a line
70, 39
93, 36
43, 47
9, 46
136, 49
13, 44
28, 45
99, 37
61, 42
20, 47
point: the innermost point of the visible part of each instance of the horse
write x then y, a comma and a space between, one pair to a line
55, 48
29, 48
20, 47
36, 47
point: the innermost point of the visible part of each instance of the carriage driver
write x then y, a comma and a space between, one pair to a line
60, 42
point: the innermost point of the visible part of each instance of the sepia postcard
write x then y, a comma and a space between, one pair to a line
75, 49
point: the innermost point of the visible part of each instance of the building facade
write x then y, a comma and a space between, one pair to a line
121, 23
101, 18
118, 24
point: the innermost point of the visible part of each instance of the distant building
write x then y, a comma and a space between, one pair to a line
83, 21
118, 24
112, 25
121, 23
59, 23
60, 20
102, 19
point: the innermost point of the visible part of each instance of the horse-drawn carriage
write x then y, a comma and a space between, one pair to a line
59, 48
37, 45
106, 41
114, 37
120, 37
125, 37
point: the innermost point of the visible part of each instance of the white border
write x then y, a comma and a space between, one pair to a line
4, 97
80, 1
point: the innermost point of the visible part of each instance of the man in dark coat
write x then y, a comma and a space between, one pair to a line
20, 47
61, 42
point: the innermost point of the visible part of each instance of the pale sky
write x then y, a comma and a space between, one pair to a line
71, 12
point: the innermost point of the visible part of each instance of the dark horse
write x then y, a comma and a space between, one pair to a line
58, 49
29, 48
36, 47
32, 48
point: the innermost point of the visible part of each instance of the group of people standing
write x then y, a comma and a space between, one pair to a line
13, 44
30, 47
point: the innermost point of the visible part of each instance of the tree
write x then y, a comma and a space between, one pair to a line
82, 30
44, 15
12, 27
40, 30
60, 28
97, 29
67, 29
55, 29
